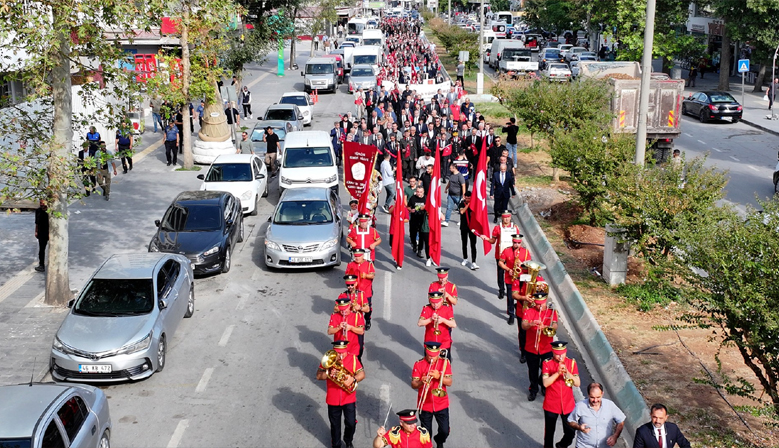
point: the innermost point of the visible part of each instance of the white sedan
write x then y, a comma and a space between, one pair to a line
243, 175
303, 101
557, 72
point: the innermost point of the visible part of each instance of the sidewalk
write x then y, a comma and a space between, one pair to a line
756, 113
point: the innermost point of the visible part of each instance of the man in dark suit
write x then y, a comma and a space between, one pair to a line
658, 433
502, 189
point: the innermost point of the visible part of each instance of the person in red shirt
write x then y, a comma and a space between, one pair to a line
365, 272
339, 401
436, 318
559, 401
407, 435
501, 235
514, 254
538, 346
346, 325
519, 291
356, 297
363, 236
444, 286
433, 372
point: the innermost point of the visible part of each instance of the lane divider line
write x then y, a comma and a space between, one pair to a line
701, 142
201, 386
737, 160
387, 297
226, 336
178, 433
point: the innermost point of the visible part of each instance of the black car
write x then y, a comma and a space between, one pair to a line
204, 226
712, 106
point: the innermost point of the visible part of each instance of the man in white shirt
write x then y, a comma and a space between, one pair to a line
387, 181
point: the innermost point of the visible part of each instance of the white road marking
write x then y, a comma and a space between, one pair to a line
688, 134
175, 439
240, 304
734, 159
753, 168
384, 396
16, 282
717, 149
201, 386
701, 142
258, 79
226, 335
387, 297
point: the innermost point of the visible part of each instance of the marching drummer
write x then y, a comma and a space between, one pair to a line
407, 435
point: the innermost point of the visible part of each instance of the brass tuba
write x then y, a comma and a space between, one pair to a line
533, 268
336, 371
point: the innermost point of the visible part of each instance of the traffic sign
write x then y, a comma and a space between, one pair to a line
743, 65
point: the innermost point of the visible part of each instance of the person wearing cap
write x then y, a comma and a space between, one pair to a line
407, 435
436, 317
538, 346
501, 235
340, 402
444, 286
510, 257
429, 371
524, 301
559, 401
365, 272
356, 297
347, 325
363, 236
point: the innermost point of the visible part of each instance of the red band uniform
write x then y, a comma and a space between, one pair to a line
365, 272
347, 326
445, 320
407, 435
538, 346
559, 401
501, 236
340, 402
429, 373
514, 254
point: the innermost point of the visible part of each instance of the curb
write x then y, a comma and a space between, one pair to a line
598, 354
758, 126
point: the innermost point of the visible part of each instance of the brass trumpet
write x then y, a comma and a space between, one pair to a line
436, 331
549, 331
568, 379
439, 391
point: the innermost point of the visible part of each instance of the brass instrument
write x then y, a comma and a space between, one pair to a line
533, 268
568, 379
549, 331
436, 331
426, 387
517, 270
336, 371
439, 391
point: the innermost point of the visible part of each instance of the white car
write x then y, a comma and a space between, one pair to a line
557, 71
564, 48
303, 101
245, 176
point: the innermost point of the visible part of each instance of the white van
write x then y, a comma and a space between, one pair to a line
373, 37
368, 55
308, 161
496, 52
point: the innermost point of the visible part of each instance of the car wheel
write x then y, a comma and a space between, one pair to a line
105, 442
256, 202
702, 117
240, 233
227, 261
684, 109
161, 353
265, 193
190, 302
736, 120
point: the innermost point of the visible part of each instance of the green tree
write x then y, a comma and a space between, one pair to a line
556, 15
728, 264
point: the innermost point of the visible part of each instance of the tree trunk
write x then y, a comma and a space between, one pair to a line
724, 62
292, 52
186, 73
57, 279
761, 77
311, 52
555, 174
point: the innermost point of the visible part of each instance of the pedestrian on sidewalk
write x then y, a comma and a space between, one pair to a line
316, 43
156, 105
702, 67
124, 145
461, 72
691, 77
42, 233
171, 143
246, 102
103, 158
200, 110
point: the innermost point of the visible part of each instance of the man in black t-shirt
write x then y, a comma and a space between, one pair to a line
42, 233
511, 131
272, 141
465, 231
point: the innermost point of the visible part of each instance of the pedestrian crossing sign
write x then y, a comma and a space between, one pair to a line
743, 65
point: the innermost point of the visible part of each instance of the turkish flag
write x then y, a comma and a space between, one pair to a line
399, 217
480, 221
433, 208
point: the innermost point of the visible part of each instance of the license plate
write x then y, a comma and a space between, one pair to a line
300, 259
94, 368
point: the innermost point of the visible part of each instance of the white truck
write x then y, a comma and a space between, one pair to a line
517, 59
496, 50
373, 37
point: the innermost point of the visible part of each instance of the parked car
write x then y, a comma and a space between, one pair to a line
285, 112
280, 128
119, 326
362, 76
557, 72
303, 101
50, 415
712, 105
305, 229
548, 55
243, 175
204, 226
573, 52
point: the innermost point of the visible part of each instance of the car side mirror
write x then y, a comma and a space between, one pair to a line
163, 304
71, 302
201, 176
229, 222
301, 74
157, 222
300, 117
269, 219
260, 176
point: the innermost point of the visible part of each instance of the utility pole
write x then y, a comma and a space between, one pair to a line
480, 75
646, 73
449, 13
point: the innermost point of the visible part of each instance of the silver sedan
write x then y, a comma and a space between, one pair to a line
362, 77
120, 325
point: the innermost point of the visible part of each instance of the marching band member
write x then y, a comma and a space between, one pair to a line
519, 291
431, 376
501, 235
407, 435
443, 285
538, 346
560, 375
339, 401
365, 272
363, 236
437, 318
346, 325
507, 263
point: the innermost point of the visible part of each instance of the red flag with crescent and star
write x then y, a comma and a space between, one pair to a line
480, 221
433, 208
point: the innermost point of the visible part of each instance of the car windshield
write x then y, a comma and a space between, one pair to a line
319, 69
307, 157
347, 44
371, 41
360, 72
229, 172
15, 443
192, 218
369, 59
257, 134
722, 98
552, 53
303, 212
511, 53
354, 28
298, 100
280, 114
116, 297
